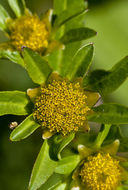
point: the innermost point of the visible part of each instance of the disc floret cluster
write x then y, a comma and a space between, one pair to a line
29, 31
101, 171
61, 107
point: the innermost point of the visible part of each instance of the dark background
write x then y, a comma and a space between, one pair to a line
110, 19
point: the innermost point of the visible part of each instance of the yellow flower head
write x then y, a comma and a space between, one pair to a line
101, 172
61, 107
29, 31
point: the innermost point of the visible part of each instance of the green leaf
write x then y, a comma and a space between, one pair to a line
43, 168
80, 62
65, 16
62, 186
102, 135
37, 67
59, 60
3, 18
114, 133
59, 6
18, 6
86, 60
67, 164
73, 5
26, 128
77, 21
13, 102
107, 81
52, 182
110, 114
77, 34
60, 143
13, 56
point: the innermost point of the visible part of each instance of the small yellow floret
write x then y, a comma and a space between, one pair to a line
101, 172
29, 31
61, 107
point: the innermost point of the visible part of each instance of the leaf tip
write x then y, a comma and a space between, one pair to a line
11, 138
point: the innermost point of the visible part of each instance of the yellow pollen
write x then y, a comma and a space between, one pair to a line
29, 31
101, 172
61, 107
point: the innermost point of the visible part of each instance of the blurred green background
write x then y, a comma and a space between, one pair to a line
110, 19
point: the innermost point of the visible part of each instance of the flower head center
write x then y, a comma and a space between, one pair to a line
101, 172
29, 31
61, 107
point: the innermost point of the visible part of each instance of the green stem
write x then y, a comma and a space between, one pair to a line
102, 135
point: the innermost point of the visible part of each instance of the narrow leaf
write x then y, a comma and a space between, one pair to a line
13, 102
18, 6
60, 143
65, 16
36, 66
3, 18
62, 186
73, 5
67, 164
59, 6
26, 128
13, 56
64, 143
80, 62
43, 168
102, 135
77, 34
110, 114
106, 82
59, 60
52, 182
86, 54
